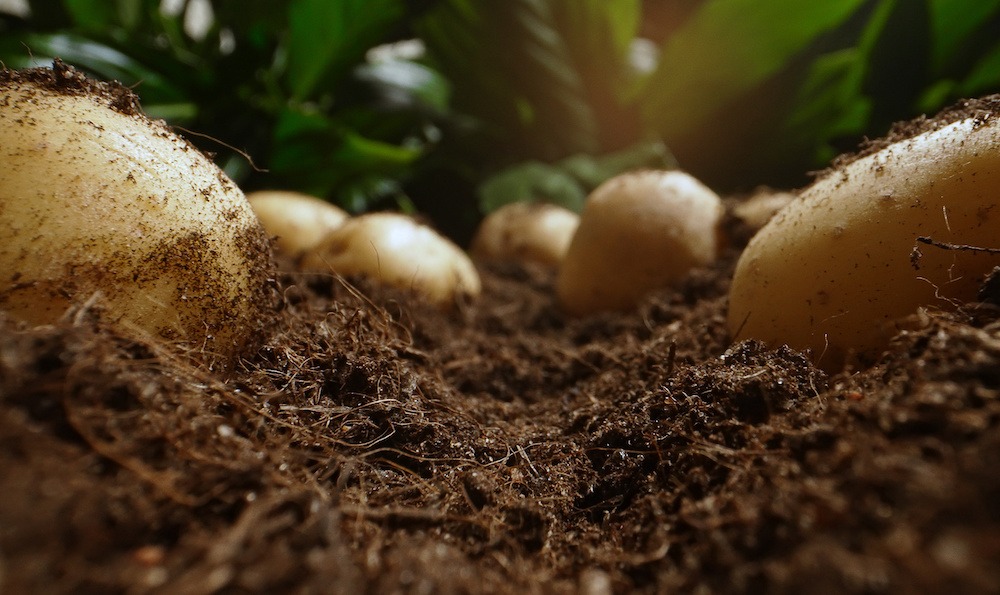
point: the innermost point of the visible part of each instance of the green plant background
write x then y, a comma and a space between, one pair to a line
521, 99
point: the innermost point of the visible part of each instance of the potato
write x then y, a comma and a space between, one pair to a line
98, 204
638, 231
298, 221
397, 250
832, 272
526, 232
760, 207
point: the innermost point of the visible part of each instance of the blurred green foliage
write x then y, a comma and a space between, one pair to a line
521, 99
285, 83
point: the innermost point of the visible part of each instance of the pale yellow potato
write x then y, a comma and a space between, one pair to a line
398, 251
526, 232
832, 272
638, 231
296, 221
100, 205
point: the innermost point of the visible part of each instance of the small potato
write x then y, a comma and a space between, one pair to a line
526, 232
835, 271
396, 250
638, 231
100, 204
298, 221
764, 204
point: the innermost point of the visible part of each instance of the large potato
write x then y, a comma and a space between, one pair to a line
100, 204
835, 271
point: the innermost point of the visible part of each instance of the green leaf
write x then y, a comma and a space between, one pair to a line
171, 112
317, 154
92, 15
251, 18
532, 181
358, 152
599, 34
985, 77
99, 59
463, 46
568, 182
512, 69
938, 94
728, 48
326, 39
131, 12
952, 22
592, 171
598, 37
831, 103
49, 14
407, 84
102, 17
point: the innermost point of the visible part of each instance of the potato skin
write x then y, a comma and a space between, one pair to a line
526, 232
299, 222
98, 201
832, 272
760, 207
638, 231
398, 251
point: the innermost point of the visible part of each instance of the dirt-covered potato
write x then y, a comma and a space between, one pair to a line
526, 232
297, 221
836, 271
100, 205
638, 231
396, 250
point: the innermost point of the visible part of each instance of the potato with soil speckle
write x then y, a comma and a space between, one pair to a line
100, 205
835, 271
398, 251
638, 231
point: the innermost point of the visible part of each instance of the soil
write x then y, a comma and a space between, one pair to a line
63, 79
377, 445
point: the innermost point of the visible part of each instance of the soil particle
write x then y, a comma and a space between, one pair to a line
66, 80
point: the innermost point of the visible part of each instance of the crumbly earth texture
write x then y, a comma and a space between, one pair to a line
375, 444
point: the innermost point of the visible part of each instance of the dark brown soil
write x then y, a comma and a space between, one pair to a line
376, 445
63, 79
